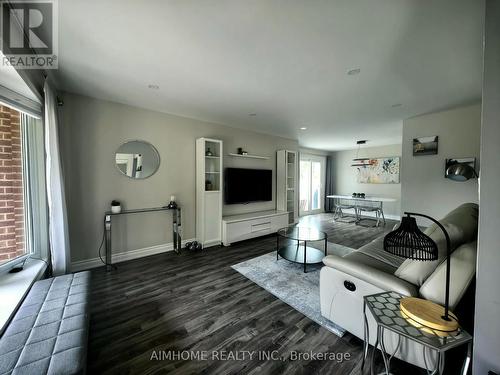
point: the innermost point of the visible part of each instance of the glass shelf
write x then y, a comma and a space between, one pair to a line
302, 234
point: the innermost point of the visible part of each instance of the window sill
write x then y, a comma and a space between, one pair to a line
15, 286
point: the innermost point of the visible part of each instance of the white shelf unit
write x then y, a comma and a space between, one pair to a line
209, 191
248, 156
287, 184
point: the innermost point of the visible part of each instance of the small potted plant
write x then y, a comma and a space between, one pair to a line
116, 207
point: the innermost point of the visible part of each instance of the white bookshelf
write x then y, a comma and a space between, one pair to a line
287, 184
209, 191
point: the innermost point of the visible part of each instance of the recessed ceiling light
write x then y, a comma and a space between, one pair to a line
396, 105
303, 128
252, 114
153, 87
353, 72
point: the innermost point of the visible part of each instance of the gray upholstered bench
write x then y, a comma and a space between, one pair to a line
49, 332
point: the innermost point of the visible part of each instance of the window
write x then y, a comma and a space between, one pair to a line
312, 187
23, 213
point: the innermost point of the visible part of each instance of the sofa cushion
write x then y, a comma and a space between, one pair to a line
463, 269
416, 271
375, 250
461, 225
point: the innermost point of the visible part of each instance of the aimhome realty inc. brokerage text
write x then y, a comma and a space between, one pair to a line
246, 355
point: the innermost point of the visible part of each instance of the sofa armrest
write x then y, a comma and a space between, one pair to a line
372, 275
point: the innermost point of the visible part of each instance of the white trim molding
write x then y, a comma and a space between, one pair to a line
86, 264
15, 286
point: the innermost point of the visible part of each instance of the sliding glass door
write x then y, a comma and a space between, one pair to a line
312, 184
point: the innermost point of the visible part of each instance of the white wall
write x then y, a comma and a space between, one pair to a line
487, 322
313, 151
345, 177
423, 185
92, 130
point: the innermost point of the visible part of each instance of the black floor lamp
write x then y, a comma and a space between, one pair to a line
408, 241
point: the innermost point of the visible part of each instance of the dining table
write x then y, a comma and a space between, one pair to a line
367, 198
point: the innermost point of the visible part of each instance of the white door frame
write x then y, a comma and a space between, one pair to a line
322, 161
128, 160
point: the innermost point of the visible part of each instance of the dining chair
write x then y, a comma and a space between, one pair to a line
370, 206
341, 204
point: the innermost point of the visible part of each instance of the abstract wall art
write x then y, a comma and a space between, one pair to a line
380, 171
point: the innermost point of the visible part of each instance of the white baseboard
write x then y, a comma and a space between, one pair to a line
212, 243
128, 255
372, 214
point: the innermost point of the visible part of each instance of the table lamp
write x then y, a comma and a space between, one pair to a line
408, 241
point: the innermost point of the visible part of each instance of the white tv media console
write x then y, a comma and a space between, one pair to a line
255, 224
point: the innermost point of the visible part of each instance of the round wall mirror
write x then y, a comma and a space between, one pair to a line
137, 159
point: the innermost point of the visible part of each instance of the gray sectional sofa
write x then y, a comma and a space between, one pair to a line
372, 270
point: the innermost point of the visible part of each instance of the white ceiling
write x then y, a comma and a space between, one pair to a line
285, 60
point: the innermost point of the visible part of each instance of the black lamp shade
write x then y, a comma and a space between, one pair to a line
408, 241
460, 172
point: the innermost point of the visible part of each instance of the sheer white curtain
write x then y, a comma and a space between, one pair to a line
58, 223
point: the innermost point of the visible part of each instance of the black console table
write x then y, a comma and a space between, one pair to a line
176, 226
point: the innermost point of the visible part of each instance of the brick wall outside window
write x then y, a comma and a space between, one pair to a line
11, 186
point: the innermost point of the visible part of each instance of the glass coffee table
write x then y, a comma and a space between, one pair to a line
298, 251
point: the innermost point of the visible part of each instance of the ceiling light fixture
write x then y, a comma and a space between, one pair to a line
303, 128
353, 72
396, 105
153, 87
361, 162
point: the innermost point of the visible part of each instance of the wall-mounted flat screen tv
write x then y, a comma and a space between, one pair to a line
247, 185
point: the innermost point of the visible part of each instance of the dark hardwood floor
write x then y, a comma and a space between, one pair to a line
196, 302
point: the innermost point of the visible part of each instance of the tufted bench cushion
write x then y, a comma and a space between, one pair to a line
49, 332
